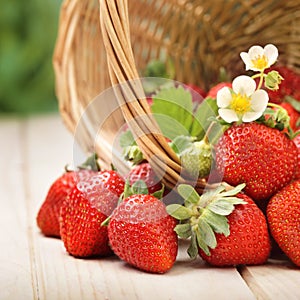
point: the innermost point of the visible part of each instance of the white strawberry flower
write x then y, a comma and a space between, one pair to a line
243, 102
259, 58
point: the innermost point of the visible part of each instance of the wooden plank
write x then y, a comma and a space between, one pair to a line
279, 279
16, 253
48, 149
65, 277
60, 276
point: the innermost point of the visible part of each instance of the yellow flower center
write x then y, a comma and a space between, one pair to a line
260, 62
240, 103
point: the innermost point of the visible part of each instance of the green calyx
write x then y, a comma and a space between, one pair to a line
131, 151
197, 159
202, 216
139, 187
273, 80
133, 154
91, 163
278, 118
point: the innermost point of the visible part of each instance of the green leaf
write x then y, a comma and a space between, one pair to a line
139, 187
126, 139
224, 206
218, 223
173, 107
189, 194
179, 212
206, 233
234, 200
201, 242
193, 248
160, 193
156, 68
234, 191
91, 163
169, 126
183, 230
207, 109
210, 195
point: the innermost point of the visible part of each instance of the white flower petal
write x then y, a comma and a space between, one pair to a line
251, 116
224, 97
271, 52
255, 51
259, 100
244, 85
228, 115
246, 59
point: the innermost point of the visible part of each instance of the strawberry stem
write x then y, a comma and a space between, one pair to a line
207, 137
261, 77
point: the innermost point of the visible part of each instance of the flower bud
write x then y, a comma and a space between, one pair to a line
272, 80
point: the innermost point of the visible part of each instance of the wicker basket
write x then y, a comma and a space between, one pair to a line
199, 36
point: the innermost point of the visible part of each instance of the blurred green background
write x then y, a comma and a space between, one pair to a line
28, 30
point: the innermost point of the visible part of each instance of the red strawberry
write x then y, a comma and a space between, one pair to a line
212, 93
261, 157
149, 100
87, 206
284, 222
225, 227
296, 140
145, 172
48, 214
142, 234
248, 242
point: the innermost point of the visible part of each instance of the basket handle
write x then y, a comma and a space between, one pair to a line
114, 20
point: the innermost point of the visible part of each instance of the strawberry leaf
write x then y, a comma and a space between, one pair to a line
206, 110
233, 191
126, 139
218, 223
160, 193
200, 242
139, 187
206, 233
193, 248
173, 111
188, 193
183, 230
91, 163
210, 195
179, 212
224, 206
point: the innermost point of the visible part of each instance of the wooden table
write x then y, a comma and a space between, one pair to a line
33, 154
